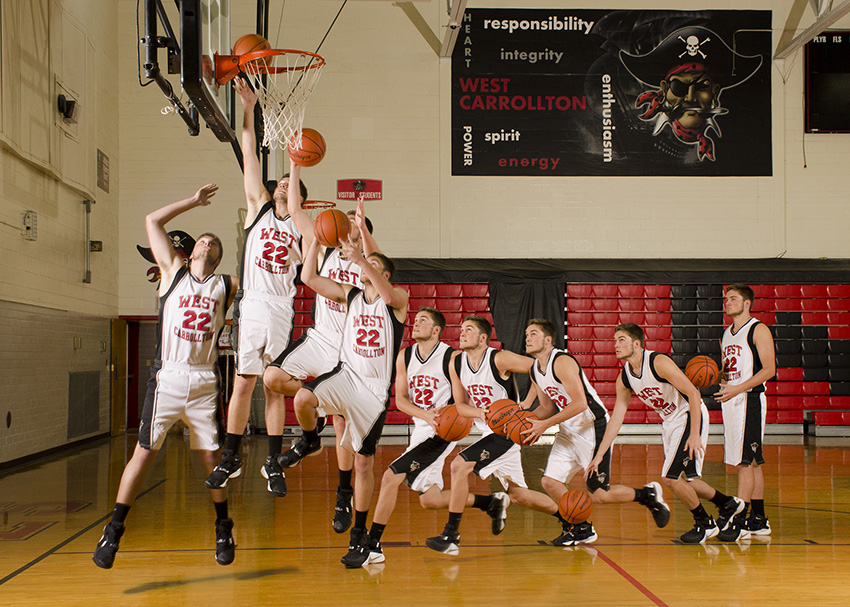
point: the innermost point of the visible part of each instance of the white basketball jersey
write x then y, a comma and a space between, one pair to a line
554, 389
428, 383
191, 316
740, 357
272, 254
483, 385
371, 340
330, 315
659, 394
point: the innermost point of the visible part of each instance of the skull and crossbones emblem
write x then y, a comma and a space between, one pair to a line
692, 45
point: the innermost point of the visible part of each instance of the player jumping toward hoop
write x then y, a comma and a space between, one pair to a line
262, 319
184, 379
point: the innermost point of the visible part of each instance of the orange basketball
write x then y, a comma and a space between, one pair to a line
331, 227
499, 413
250, 43
311, 151
575, 506
702, 371
451, 425
518, 422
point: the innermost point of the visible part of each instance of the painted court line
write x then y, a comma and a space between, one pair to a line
631, 580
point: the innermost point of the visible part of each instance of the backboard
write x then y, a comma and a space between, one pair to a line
205, 32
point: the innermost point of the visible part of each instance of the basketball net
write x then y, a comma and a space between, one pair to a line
314, 207
283, 81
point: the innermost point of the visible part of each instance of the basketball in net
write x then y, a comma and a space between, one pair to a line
451, 425
575, 506
250, 43
331, 227
283, 80
499, 413
310, 151
702, 371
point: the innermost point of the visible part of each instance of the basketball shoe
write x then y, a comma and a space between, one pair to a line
735, 530
225, 547
104, 554
342, 510
703, 529
272, 472
369, 552
758, 525
733, 507
299, 450
229, 467
566, 538
497, 510
584, 533
656, 504
447, 543
357, 537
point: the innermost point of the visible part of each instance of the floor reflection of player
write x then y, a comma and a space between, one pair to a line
317, 351
656, 380
184, 379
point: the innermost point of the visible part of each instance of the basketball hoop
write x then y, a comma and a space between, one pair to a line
314, 207
283, 81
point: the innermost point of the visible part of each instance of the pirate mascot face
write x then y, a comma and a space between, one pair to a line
687, 73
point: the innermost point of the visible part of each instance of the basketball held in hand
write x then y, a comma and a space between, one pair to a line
451, 425
517, 424
331, 227
499, 413
702, 371
311, 151
575, 507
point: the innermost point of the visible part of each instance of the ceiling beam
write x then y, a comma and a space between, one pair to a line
457, 9
813, 30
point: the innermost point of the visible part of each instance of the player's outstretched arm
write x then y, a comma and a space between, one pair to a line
166, 257
294, 208
511, 362
395, 297
370, 245
256, 193
618, 415
320, 284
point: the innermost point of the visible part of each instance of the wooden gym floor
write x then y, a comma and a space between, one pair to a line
53, 513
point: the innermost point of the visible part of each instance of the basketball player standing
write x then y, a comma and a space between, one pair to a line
262, 320
748, 362
184, 379
656, 380
567, 399
358, 388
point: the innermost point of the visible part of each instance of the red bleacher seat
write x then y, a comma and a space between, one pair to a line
578, 332
302, 319
836, 318
305, 291
715, 417
783, 305
816, 318
839, 332
658, 345
394, 416
603, 332
789, 374
418, 290
657, 333
605, 304
453, 318
579, 346
635, 417
661, 291
605, 374
488, 316
476, 290
787, 290
583, 359
603, 346
494, 343
631, 305
449, 291
605, 290
302, 304
762, 291
635, 317
606, 360
580, 318
842, 304
579, 290
769, 318
657, 318
814, 304
838, 290
784, 417
815, 387
814, 291
816, 401
831, 418
787, 402
579, 304
450, 304
297, 332
787, 387
656, 305
605, 318
630, 291
451, 333
417, 302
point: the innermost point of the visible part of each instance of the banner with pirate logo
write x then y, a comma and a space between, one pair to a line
598, 92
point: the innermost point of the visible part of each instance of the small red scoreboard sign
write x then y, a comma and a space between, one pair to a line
351, 189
